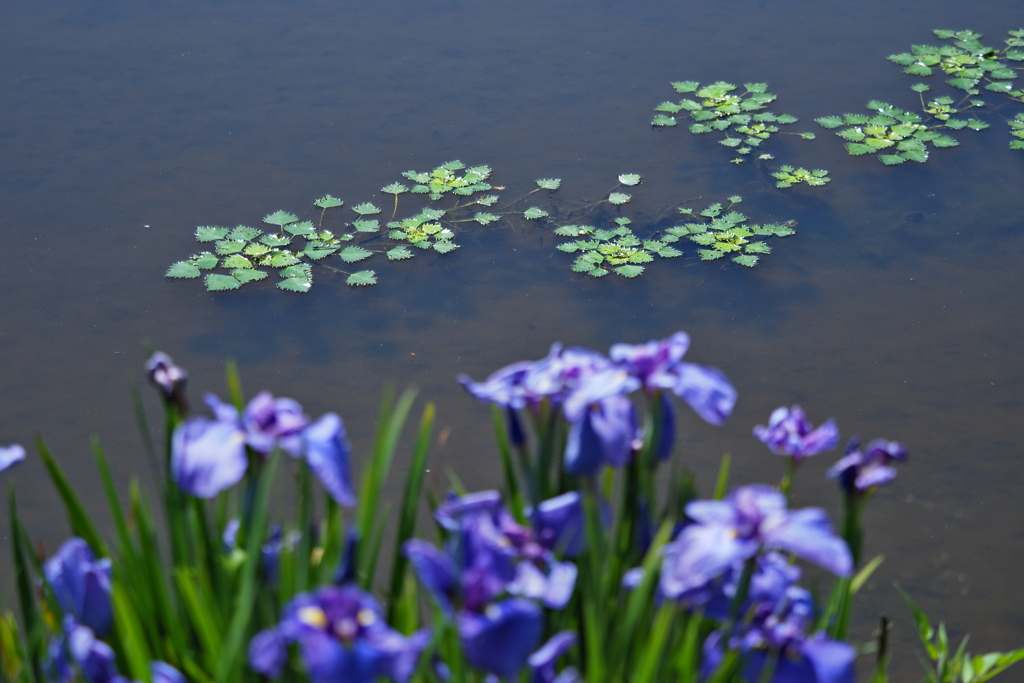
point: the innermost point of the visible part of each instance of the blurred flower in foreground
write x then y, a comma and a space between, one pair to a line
734, 530
860, 471
169, 378
790, 433
81, 584
11, 456
342, 636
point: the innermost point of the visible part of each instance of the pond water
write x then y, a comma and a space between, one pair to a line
895, 309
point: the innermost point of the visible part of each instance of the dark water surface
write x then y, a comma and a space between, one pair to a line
896, 308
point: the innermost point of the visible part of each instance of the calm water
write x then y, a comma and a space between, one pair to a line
896, 308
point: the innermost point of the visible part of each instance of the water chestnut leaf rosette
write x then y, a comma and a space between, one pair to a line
541, 578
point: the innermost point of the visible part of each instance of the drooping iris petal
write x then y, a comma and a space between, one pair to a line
81, 584
860, 471
11, 456
434, 569
542, 662
268, 652
808, 534
584, 451
831, 660
163, 672
558, 523
503, 388
655, 363
667, 437
328, 453
604, 434
207, 456
707, 390
502, 638
701, 553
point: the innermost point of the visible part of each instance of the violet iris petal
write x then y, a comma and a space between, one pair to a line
859, 472
434, 569
268, 652
165, 673
831, 660
329, 455
11, 456
169, 378
270, 421
808, 534
503, 388
700, 554
604, 434
789, 433
501, 639
655, 363
542, 662
558, 523
81, 584
207, 456
707, 390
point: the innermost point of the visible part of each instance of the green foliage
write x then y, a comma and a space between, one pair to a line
618, 198
280, 218
630, 179
966, 60
533, 213
898, 135
182, 269
787, 176
210, 233
328, 202
1017, 131
362, 278
726, 232
548, 183
353, 254
721, 107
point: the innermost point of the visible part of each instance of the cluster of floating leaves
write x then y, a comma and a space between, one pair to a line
244, 254
969, 65
723, 232
898, 135
740, 115
787, 176
615, 250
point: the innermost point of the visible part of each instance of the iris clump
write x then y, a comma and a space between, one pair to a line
595, 560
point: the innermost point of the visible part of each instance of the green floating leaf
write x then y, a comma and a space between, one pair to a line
362, 278
630, 179
662, 120
399, 253
205, 261
210, 233
366, 226
597, 272
483, 218
455, 165
534, 213
276, 240
487, 200
280, 218
299, 270
244, 233
807, 136
318, 250
301, 228
709, 254
628, 270
236, 261
366, 209
328, 202
182, 269
353, 254
548, 183
618, 198
748, 260
830, 121
295, 284
283, 259
891, 159
220, 283
944, 141
394, 188
920, 87
229, 247
683, 87
245, 275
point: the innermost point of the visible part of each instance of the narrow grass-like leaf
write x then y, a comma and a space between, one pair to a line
362, 278
220, 283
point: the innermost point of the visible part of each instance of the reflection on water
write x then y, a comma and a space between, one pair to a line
894, 308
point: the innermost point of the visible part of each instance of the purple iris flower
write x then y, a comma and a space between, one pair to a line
502, 637
207, 456
329, 455
342, 636
81, 584
559, 525
165, 673
860, 471
270, 422
604, 434
11, 456
731, 531
542, 662
707, 390
656, 363
790, 433
169, 378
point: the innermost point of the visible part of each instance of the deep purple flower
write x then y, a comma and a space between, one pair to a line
78, 649
605, 434
207, 456
501, 639
270, 422
790, 433
328, 453
656, 363
559, 525
81, 584
11, 456
729, 532
169, 378
342, 636
860, 471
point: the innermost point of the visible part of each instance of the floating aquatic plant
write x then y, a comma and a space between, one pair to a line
723, 231
740, 115
1017, 131
898, 135
616, 250
787, 176
967, 61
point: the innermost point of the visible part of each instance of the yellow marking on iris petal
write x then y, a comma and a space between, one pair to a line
313, 616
